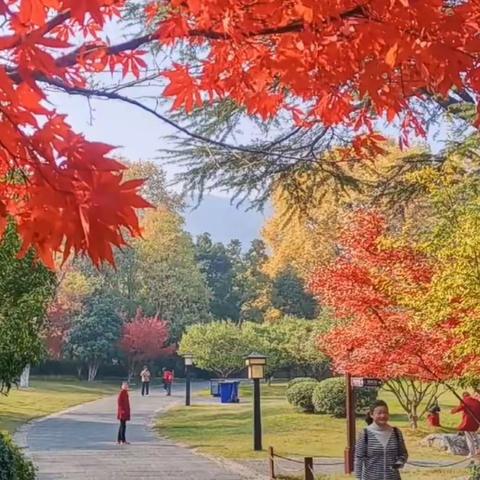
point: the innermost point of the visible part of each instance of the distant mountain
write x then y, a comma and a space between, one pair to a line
224, 221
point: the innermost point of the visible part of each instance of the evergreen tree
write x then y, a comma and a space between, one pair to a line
217, 264
26, 286
289, 296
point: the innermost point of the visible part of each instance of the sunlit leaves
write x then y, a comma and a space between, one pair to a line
370, 287
331, 57
64, 193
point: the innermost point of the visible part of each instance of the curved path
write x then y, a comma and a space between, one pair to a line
80, 444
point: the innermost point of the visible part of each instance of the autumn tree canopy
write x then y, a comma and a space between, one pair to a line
145, 339
317, 64
371, 287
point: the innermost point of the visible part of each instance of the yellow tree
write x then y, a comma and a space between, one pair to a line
451, 237
304, 238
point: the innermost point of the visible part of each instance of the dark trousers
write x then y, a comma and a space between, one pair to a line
145, 388
168, 388
122, 430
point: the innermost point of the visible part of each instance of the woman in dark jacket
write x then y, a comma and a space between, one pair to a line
380, 450
123, 413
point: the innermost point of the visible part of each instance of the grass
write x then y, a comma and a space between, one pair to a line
47, 396
226, 430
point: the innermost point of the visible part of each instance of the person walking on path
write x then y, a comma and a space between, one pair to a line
470, 408
123, 413
145, 375
167, 378
380, 451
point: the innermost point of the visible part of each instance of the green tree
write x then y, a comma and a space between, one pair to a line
288, 295
170, 283
95, 334
155, 189
219, 347
290, 343
26, 287
217, 263
158, 272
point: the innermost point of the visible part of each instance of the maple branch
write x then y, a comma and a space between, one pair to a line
71, 58
43, 30
51, 24
292, 27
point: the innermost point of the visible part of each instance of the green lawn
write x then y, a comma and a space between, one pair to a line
46, 397
226, 430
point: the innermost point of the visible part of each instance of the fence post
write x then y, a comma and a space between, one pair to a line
271, 463
309, 468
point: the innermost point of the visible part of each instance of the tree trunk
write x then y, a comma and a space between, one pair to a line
79, 371
131, 373
413, 417
25, 377
92, 371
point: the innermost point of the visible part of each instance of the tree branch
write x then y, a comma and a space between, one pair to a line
115, 96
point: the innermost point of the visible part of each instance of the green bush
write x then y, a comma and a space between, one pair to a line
297, 380
330, 395
300, 395
474, 472
13, 464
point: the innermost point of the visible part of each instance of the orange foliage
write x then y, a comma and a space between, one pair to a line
64, 192
367, 287
332, 61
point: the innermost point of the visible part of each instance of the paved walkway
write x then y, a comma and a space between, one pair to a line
80, 444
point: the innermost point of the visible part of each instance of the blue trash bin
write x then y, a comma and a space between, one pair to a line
229, 392
215, 387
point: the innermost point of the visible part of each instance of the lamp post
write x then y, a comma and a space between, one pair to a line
256, 364
188, 358
350, 407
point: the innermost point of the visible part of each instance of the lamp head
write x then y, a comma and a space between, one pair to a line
256, 363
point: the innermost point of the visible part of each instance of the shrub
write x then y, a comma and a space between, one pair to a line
300, 395
297, 380
330, 395
13, 464
474, 472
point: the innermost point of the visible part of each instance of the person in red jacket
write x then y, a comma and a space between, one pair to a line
470, 408
123, 413
167, 377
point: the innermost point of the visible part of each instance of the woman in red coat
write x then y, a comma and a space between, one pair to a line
123, 413
470, 408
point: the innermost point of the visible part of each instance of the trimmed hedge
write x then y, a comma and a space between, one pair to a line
330, 395
297, 380
300, 395
13, 464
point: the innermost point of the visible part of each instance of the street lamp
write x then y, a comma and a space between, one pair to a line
256, 364
188, 359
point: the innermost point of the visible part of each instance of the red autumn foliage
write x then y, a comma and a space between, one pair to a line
343, 61
334, 61
65, 193
366, 288
145, 338
59, 324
